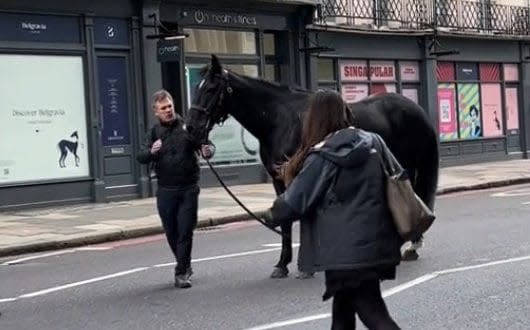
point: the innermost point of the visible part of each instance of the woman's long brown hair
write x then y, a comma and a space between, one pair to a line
327, 113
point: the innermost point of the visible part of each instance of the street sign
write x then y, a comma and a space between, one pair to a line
168, 50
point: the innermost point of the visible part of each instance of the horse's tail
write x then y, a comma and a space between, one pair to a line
427, 168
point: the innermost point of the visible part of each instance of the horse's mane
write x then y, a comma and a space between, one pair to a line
281, 88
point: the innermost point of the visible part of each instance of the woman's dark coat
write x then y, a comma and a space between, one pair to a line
341, 190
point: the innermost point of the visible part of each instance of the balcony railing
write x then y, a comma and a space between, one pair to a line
473, 16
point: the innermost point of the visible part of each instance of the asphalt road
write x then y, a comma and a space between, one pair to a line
473, 273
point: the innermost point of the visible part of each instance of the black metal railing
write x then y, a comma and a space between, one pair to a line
475, 16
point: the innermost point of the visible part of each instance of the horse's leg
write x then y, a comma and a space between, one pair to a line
76, 160
286, 256
425, 183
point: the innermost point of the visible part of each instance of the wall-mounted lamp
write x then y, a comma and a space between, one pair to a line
168, 35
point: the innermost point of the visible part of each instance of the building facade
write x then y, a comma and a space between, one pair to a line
71, 105
464, 61
76, 79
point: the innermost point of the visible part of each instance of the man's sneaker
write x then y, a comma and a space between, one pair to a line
183, 281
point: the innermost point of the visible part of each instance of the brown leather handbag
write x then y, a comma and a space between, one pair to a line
411, 216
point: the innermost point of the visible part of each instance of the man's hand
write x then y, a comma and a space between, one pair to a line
206, 151
156, 146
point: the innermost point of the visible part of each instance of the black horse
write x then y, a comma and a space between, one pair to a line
272, 113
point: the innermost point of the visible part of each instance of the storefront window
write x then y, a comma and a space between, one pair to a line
469, 114
360, 78
269, 44
410, 79
270, 72
49, 125
479, 93
512, 109
325, 70
220, 42
447, 112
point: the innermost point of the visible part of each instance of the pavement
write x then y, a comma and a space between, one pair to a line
31, 230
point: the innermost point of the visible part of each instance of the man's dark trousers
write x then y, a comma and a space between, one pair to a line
177, 208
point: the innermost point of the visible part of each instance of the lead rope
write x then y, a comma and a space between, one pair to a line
236, 199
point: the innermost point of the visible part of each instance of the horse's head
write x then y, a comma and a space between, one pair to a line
209, 103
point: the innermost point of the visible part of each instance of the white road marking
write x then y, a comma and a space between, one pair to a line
291, 322
392, 291
56, 253
127, 272
487, 264
73, 285
40, 256
279, 245
409, 284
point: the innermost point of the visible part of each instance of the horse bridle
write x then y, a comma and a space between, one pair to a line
215, 106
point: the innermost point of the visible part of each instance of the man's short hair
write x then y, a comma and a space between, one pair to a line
159, 96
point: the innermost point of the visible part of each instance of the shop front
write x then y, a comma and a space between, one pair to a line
474, 97
249, 41
479, 107
66, 106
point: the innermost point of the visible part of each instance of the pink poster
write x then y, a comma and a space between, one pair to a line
382, 88
352, 93
491, 109
446, 110
512, 108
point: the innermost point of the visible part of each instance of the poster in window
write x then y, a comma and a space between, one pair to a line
466, 71
491, 109
511, 72
113, 100
447, 112
353, 71
43, 129
352, 93
469, 111
512, 109
409, 71
382, 88
411, 94
382, 71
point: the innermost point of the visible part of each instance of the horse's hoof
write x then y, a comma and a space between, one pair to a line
410, 255
305, 275
279, 272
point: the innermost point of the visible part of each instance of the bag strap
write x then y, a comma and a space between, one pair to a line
391, 165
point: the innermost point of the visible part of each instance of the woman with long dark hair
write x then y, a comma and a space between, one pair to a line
336, 182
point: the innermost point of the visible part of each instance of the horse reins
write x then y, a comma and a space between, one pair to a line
229, 90
252, 214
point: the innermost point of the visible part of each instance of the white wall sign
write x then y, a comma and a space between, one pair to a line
42, 118
353, 71
360, 71
352, 93
409, 71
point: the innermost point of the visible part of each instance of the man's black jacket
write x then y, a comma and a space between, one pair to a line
176, 163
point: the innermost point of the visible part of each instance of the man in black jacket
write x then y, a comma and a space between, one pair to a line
175, 157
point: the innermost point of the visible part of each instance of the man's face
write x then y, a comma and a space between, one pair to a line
164, 111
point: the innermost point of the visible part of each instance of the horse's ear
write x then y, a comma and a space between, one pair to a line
216, 65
